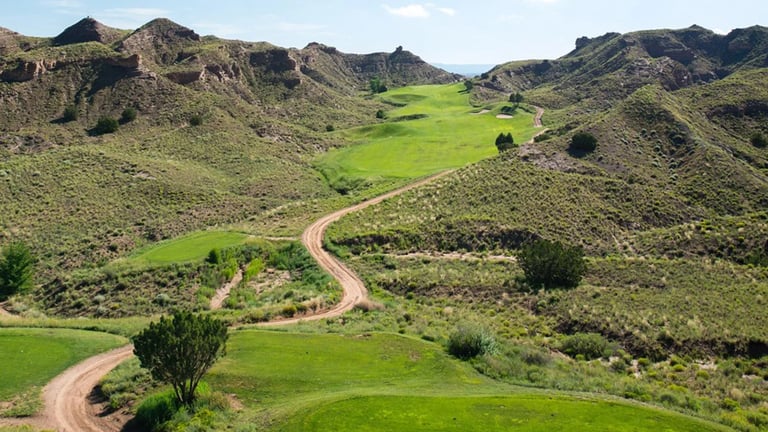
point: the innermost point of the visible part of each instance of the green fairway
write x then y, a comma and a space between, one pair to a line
31, 357
188, 248
488, 414
383, 382
447, 132
278, 366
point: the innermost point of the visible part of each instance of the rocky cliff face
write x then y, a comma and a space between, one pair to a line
673, 58
88, 61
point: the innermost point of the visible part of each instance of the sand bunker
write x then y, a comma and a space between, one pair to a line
504, 116
481, 112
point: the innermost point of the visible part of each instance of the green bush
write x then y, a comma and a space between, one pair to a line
16, 269
128, 115
758, 140
504, 142
214, 257
157, 409
196, 120
380, 114
552, 264
106, 125
583, 142
470, 341
589, 345
70, 114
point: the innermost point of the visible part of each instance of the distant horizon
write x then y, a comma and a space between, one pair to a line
452, 32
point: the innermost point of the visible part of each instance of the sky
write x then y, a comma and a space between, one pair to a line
439, 31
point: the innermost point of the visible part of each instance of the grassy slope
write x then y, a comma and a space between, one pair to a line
499, 413
449, 136
332, 381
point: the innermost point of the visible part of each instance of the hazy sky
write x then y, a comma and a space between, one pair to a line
445, 31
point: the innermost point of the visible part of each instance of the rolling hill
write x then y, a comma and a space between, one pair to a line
262, 112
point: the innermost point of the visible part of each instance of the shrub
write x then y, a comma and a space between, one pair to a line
543, 137
583, 142
16, 269
470, 341
504, 142
367, 305
758, 140
128, 115
106, 125
196, 120
70, 114
289, 310
380, 114
552, 264
588, 345
157, 409
214, 257
329, 128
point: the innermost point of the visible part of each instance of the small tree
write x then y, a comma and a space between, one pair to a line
584, 142
552, 264
758, 140
377, 86
468, 85
128, 115
16, 269
70, 114
180, 350
106, 125
516, 98
504, 142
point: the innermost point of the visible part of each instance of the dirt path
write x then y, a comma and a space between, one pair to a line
537, 117
66, 398
353, 288
223, 292
537, 124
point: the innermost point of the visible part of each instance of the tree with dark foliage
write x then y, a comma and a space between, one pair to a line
180, 350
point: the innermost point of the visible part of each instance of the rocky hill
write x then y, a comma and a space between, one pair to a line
610, 67
265, 111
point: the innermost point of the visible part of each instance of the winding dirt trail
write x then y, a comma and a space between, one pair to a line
353, 288
67, 407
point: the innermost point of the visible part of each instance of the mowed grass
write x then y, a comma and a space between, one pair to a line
32, 357
187, 248
488, 414
388, 382
452, 134
279, 367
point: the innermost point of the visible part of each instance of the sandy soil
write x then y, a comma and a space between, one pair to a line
504, 116
223, 292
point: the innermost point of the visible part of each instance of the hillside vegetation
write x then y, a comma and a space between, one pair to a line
146, 169
669, 208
